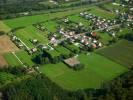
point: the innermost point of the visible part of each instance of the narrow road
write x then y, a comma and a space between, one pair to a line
17, 58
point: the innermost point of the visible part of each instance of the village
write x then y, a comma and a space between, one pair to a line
70, 35
66, 50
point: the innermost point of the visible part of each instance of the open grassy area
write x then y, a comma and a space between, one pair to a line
104, 37
112, 7
95, 73
25, 58
121, 52
102, 13
77, 19
51, 25
11, 59
31, 33
63, 50
29, 20
4, 27
124, 31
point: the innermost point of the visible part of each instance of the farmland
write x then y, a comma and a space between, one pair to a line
102, 13
29, 20
93, 76
6, 44
121, 53
11, 59
30, 33
92, 35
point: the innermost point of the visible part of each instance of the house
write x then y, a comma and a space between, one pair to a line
72, 62
34, 50
94, 34
34, 41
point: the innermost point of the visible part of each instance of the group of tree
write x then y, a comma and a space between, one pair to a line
39, 87
128, 36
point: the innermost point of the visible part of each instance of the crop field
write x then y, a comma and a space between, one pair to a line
2, 62
4, 27
6, 44
121, 52
93, 75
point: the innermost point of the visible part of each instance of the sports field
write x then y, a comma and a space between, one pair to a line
121, 52
95, 73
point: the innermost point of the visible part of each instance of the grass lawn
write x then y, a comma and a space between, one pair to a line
25, 58
11, 59
93, 75
121, 52
102, 13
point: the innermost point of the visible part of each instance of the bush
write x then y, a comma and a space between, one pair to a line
78, 67
2, 33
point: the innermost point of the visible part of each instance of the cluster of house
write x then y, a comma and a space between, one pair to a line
82, 39
98, 22
17, 41
40, 27
20, 44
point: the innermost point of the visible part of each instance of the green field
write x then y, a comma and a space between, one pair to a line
31, 33
25, 58
29, 20
4, 27
112, 7
95, 73
11, 59
102, 13
6, 78
104, 37
62, 50
77, 19
121, 52
51, 25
